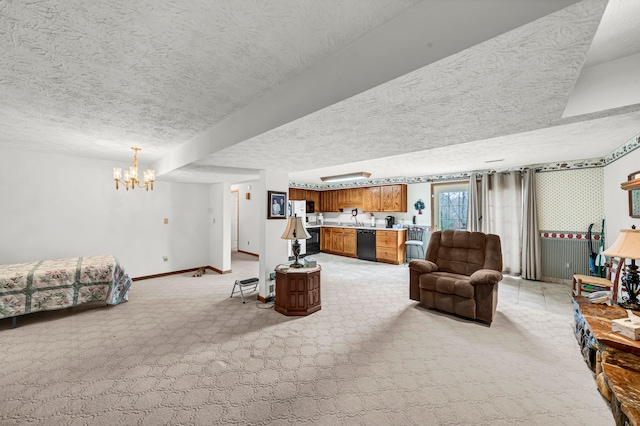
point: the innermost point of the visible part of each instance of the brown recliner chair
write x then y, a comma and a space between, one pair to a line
460, 274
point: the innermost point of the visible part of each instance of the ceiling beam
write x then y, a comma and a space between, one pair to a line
423, 34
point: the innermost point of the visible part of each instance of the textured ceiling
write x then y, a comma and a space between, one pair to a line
598, 137
516, 82
92, 79
618, 34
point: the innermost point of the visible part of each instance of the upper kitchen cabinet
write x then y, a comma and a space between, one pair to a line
356, 197
297, 194
371, 199
329, 201
388, 198
343, 198
351, 197
315, 197
393, 198
305, 194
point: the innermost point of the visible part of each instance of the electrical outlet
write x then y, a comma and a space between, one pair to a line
165, 258
568, 265
214, 220
271, 289
248, 242
166, 220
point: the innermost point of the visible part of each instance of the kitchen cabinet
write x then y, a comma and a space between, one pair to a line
315, 197
343, 198
350, 198
325, 239
350, 243
337, 240
341, 241
344, 242
334, 200
388, 198
296, 194
393, 198
390, 246
371, 199
323, 202
329, 201
356, 196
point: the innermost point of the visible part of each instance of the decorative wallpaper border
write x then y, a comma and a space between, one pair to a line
624, 149
568, 235
571, 165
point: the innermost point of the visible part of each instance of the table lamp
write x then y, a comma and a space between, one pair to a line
295, 229
627, 246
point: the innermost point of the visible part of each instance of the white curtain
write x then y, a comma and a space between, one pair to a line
485, 210
531, 245
473, 218
502, 215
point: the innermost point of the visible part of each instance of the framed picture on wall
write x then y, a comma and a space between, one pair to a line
634, 197
277, 205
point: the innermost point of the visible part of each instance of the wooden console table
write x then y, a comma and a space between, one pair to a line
298, 291
614, 358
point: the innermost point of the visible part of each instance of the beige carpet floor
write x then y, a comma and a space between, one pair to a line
181, 351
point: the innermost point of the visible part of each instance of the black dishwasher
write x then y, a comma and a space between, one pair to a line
366, 244
313, 243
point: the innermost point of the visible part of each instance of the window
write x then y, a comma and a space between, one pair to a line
449, 206
453, 209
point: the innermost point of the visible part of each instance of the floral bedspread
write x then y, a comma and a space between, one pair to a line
58, 284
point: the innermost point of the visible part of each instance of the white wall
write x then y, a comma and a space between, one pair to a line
272, 248
220, 227
56, 206
616, 201
248, 220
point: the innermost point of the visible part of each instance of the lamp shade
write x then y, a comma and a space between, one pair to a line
295, 230
627, 245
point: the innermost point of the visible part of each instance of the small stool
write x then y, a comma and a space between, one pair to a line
245, 283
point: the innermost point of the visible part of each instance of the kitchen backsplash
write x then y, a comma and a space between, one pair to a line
346, 217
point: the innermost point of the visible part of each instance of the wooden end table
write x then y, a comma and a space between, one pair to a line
298, 291
614, 359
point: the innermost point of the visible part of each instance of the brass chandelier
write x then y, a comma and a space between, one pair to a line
131, 175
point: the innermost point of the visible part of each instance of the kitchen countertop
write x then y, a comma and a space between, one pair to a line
348, 226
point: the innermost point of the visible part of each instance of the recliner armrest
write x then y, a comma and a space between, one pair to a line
423, 266
485, 276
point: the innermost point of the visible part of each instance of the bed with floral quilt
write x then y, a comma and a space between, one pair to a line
57, 284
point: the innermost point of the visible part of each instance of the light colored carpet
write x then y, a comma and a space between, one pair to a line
182, 352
